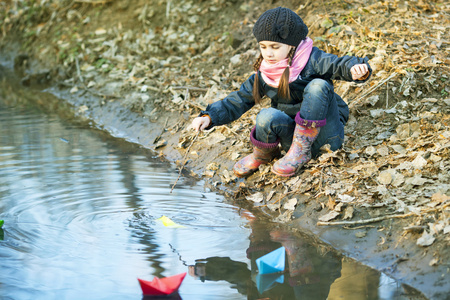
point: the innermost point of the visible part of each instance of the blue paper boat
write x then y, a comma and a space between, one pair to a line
265, 282
272, 262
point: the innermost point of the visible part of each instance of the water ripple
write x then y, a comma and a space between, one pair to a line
80, 211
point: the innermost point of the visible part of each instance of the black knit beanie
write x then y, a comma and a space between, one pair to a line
280, 25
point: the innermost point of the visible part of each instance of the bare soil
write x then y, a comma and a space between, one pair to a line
142, 70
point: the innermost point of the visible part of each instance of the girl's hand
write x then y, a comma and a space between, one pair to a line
200, 123
359, 72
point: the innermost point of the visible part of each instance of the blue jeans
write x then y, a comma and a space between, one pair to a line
318, 104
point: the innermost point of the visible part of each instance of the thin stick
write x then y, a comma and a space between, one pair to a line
377, 219
387, 95
93, 1
184, 160
190, 88
162, 131
78, 70
372, 89
372, 220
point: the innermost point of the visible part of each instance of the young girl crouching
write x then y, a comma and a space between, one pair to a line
305, 112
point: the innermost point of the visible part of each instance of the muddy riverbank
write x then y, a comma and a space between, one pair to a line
141, 71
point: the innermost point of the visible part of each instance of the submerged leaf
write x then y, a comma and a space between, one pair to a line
360, 234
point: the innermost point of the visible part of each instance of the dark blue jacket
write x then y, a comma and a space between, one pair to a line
320, 65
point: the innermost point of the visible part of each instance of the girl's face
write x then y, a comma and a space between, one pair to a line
273, 52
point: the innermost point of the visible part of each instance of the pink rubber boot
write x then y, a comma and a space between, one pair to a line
263, 153
305, 133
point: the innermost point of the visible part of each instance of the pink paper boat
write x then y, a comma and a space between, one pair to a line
161, 286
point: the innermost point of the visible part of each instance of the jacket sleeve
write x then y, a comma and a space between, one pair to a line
233, 106
333, 67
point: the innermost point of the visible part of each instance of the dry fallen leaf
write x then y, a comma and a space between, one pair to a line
212, 167
227, 176
338, 207
419, 162
416, 180
385, 177
439, 197
209, 173
383, 151
257, 198
160, 144
235, 156
434, 262
290, 204
346, 198
426, 239
370, 150
348, 213
329, 216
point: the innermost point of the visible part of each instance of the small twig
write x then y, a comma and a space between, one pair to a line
184, 160
387, 95
372, 220
87, 90
194, 105
93, 1
189, 88
231, 130
354, 102
377, 219
168, 9
162, 131
78, 70
359, 227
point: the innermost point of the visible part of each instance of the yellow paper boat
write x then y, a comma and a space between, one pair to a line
169, 223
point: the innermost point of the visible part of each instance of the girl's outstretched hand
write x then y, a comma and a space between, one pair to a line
359, 72
200, 123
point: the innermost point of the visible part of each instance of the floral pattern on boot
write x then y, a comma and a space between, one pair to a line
299, 153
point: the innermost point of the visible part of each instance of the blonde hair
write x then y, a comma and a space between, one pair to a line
283, 87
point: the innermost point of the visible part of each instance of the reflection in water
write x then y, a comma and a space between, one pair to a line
312, 272
81, 214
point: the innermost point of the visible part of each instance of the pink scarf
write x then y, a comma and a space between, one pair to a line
271, 73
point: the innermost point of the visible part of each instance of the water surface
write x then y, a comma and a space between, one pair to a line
82, 213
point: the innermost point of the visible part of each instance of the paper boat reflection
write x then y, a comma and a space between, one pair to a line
161, 286
272, 262
265, 282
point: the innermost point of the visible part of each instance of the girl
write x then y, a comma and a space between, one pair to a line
305, 112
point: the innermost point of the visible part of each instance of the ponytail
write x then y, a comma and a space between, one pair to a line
256, 93
283, 86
